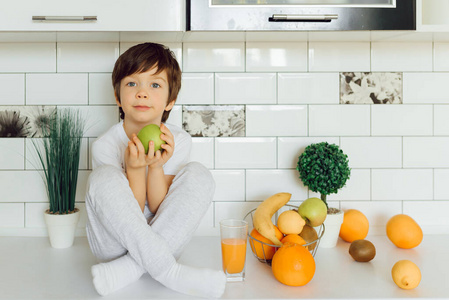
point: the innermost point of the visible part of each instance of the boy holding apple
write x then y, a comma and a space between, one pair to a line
144, 208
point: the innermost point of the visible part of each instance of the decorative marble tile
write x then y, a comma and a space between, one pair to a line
371, 88
214, 120
24, 121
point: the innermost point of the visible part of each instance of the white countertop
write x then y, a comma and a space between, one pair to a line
31, 269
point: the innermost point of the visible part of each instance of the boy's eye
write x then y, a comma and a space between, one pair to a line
155, 85
131, 84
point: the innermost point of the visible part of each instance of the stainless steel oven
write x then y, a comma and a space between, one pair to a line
257, 15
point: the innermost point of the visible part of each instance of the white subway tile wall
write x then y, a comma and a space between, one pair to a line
426, 152
441, 120
213, 57
401, 120
373, 152
339, 57
343, 120
58, 88
308, 88
402, 184
245, 88
13, 154
12, 89
197, 88
245, 152
203, 151
100, 89
284, 57
230, 185
27, 57
441, 57
441, 178
86, 57
425, 88
12, 215
260, 183
392, 57
22, 186
276, 120
290, 90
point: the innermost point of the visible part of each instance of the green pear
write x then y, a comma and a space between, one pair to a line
314, 211
149, 133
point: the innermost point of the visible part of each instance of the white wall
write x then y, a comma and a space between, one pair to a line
398, 153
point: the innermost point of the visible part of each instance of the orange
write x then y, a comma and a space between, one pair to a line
355, 226
294, 239
260, 250
404, 232
293, 265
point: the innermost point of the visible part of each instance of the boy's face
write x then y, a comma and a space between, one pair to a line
144, 97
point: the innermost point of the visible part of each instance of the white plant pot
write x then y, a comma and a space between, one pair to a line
61, 228
332, 226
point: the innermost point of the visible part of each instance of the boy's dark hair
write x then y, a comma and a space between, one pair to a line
141, 58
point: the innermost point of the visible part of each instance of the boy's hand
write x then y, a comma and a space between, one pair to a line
135, 157
158, 159
135, 154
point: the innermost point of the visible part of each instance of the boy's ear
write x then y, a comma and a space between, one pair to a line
170, 105
116, 100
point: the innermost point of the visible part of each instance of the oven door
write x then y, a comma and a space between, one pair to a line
258, 15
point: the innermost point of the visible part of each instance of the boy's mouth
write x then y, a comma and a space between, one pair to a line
142, 108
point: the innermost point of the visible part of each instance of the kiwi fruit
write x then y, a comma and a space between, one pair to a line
362, 250
309, 234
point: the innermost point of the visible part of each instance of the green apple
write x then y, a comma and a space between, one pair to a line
149, 133
314, 211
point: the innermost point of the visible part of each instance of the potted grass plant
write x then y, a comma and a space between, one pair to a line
59, 156
324, 169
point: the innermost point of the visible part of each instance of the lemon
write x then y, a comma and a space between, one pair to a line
406, 274
290, 222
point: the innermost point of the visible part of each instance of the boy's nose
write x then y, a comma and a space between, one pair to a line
142, 95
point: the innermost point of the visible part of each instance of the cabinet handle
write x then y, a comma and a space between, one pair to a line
65, 18
302, 18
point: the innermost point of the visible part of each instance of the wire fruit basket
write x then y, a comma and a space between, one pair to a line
264, 251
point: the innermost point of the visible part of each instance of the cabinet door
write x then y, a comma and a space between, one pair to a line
432, 15
116, 15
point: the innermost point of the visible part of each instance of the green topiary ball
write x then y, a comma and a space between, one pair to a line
324, 168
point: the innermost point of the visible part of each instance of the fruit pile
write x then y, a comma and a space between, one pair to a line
401, 230
288, 245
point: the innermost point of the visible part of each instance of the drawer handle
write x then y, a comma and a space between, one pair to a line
65, 18
302, 18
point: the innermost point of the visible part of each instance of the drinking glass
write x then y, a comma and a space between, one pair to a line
233, 248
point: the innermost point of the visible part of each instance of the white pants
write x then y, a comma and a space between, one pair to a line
116, 224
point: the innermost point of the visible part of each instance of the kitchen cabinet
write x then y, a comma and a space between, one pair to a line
432, 15
93, 15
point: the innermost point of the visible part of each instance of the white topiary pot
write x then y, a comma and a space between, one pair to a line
61, 228
332, 226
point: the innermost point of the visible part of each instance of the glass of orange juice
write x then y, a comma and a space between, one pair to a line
233, 248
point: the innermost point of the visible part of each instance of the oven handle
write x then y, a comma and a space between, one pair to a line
302, 18
65, 18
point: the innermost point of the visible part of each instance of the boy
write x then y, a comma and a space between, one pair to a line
143, 209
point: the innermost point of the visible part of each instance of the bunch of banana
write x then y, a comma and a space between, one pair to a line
265, 211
